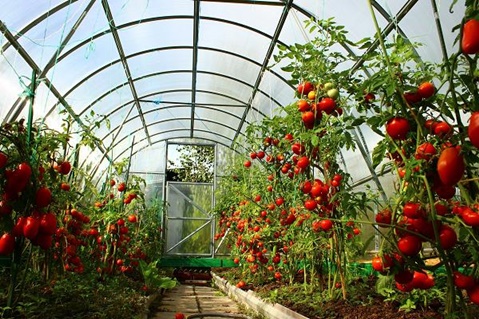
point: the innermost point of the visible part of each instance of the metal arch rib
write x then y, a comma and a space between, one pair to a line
194, 76
9, 36
399, 16
124, 62
269, 53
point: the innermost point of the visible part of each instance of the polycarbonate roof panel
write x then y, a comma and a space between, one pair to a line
166, 113
214, 128
252, 15
156, 34
16, 14
418, 31
142, 159
99, 97
76, 65
13, 71
126, 11
214, 98
236, 67
233, 38
107, 85
161, 61
156, 100
43, 39
229, 86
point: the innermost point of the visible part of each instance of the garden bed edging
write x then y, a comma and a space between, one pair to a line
250, 300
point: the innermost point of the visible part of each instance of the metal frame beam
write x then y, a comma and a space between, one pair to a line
274, 41
124, 62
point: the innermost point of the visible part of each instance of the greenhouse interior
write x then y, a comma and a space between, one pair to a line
239, 159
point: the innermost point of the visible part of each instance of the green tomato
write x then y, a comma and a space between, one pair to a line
333, 93
328, 86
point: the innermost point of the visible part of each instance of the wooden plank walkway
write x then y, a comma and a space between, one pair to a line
189, 299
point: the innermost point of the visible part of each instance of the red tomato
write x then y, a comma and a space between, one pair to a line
463, 281
381, 264
397, 128
24, 170
303, 162
327, 105
425, 151
407, 287
247, 163
412, 97
48, 224
180, 315
442, 129
426, 90
132, 218
473, 129
303, 106
470, 217
305, 87
65, 168
473, 294
404, 276
470, 37
306, 187
447, 237
383, 218
326, 224
65, 187
260, 154
413, 210
450, 166
17, 230
279, 201
441, 209
298, 148
31, 227
409, 245
7, 244
121, 187
308, 119
419, 279
43, 197
310, 204
5, 208
3, 159
369, 97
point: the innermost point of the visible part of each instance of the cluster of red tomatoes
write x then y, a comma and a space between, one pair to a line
316, 101
23, 192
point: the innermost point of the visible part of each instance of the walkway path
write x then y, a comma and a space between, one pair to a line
193, 299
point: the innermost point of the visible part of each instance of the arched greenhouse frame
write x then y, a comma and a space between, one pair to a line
291, 146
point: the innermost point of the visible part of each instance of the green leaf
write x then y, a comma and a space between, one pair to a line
379, 153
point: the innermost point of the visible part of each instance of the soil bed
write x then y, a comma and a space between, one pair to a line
363, 301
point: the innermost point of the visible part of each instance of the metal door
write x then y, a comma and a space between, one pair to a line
189, 224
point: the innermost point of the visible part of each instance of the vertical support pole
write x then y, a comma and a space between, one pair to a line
213, 202
31, 94
164, 225
127, 174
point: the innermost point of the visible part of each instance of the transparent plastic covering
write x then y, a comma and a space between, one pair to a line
157, 71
